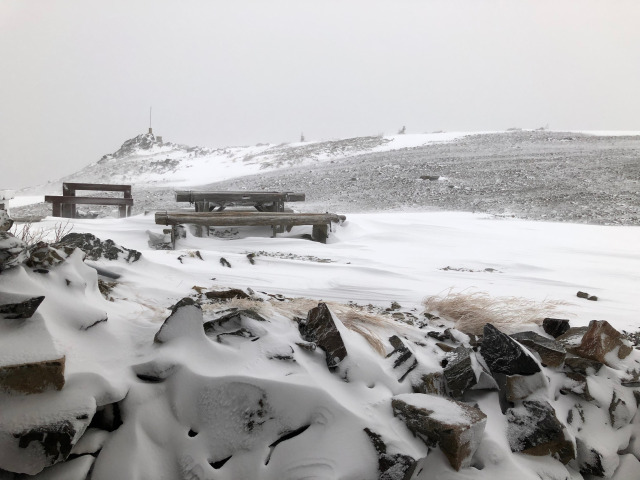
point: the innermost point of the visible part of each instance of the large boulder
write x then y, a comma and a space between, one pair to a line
455, 427
551, 353
320, 328
13, 251
96, 249
534, 429
555, 326
603, 343
503, 355
459, 375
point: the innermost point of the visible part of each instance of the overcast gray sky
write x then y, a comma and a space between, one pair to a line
77, 77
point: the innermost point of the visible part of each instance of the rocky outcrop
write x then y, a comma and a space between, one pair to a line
455, 427
320, 328
96, 249
13, 251
534, 429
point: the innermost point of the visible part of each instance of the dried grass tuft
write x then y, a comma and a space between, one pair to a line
471, 311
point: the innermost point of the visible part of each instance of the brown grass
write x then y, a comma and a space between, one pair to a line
471, 311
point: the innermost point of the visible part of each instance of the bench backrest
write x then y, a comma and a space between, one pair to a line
69, 189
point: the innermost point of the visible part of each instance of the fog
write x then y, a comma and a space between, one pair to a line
78, 77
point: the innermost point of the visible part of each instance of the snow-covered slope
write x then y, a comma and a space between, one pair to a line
145, 160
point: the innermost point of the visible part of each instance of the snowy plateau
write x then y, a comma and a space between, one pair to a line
438, 334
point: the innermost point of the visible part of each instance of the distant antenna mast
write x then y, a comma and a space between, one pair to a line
150, 129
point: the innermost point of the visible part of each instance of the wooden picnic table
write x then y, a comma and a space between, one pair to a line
319, 221
205, 201
65, 205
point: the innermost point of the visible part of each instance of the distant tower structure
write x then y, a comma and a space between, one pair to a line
150, 129
302, 137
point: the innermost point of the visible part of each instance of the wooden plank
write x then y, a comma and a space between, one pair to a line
69, 189
231, 219
70, 200
238, 198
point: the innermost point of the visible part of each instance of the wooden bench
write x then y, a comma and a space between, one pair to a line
65, 205
262, 201
319, 221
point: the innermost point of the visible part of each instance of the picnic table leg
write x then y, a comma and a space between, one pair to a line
67, 211
123, 211
56, 210
320, 233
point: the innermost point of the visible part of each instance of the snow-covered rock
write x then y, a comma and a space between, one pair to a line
13, 251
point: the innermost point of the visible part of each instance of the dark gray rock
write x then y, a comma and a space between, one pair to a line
391, 467
21, 309
551, 353
320, 328
43, 255
96, 249
459, 375
534, 429
555, 326
226, 294
503, 355
404, 361
432, 383
583, 366
582, 295
590, 460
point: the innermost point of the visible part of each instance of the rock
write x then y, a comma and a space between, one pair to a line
603, 343
576, 383
13, 251
583, 366
591, 461
431, 383
513, 388
551, 353
183, 302
159, 241
404, 361
390, 467
620, 412
96, 248
34, 377
226, 294
572, 337
5, 221
18, 308
431, 178
236, 323
459, 375
593, 298
185, 321
320, 328
503, 355
555, 326
455, 427
582, 295
43, 255
534, 429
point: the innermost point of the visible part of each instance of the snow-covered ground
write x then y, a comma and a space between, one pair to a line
249, 400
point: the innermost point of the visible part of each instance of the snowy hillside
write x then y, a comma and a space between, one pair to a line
147, 160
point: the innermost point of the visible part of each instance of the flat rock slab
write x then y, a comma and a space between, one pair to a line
455, 427
13, 306
552, 353
29, 361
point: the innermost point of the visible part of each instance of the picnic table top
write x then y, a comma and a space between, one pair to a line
192, 196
